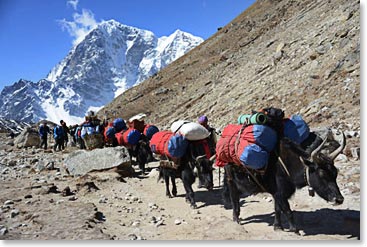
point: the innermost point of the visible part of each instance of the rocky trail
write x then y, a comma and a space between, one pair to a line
40, 201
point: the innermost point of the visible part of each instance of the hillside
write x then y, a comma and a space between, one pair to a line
302, 56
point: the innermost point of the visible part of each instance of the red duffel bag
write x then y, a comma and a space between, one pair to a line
167, 143
128, 137
159, 142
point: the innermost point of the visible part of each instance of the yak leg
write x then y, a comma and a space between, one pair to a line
282, 205
166, 181
188, 179
233, 192
226, 198
141, 165
235, 199
130, 155
174, 188
277, 217
190, 195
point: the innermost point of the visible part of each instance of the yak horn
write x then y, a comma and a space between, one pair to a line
212, 158
339, 149
318, 149
200, 157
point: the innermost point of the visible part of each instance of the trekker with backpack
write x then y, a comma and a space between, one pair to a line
59, 137
43, 131
66, 132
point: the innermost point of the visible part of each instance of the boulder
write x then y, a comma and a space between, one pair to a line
27, 138
83, 161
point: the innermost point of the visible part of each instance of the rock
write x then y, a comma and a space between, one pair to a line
14, 213
82, 161
27, 138
53, 189
154, 173
50, 165
12, 163
159, 223
321, 49
351, 133
103, 200
278, 55
3, 230
8, 202
135, 223
341, 158
355, 152
313, 56
67, 192
153, 219
73, 198
177, 222
5, 170
280, 47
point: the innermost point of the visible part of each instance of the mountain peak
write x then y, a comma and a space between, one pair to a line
112, 58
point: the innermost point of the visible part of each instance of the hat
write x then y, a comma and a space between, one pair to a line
203, 119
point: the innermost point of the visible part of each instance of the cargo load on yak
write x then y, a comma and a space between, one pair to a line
109, 134
128, 137
137, 122
119, 124
190, 130
91, 133
247, 145
256, 118
150, 130
296, 129
92, 137
169, 144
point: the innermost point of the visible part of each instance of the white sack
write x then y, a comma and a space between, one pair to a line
191, 131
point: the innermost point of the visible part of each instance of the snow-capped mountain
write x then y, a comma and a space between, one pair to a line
112, 58
12, 126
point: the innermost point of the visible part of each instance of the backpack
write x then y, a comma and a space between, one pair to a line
58, 132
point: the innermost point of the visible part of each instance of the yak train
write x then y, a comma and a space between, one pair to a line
263, 152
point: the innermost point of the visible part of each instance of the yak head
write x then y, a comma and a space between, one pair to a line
204, 171
322, 173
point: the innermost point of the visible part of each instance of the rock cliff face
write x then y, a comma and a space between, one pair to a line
301, 56
112, 58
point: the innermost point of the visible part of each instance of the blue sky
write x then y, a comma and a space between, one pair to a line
37, 34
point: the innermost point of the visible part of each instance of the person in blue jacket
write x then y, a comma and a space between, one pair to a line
59, 137
43, 131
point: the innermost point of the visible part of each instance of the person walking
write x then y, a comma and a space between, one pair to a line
66, 132
59, 137
212, 139
43, 131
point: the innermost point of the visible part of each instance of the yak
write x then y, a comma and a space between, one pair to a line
193, 164
288, 169
142, 153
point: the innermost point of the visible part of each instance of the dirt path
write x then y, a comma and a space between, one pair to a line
137, 209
